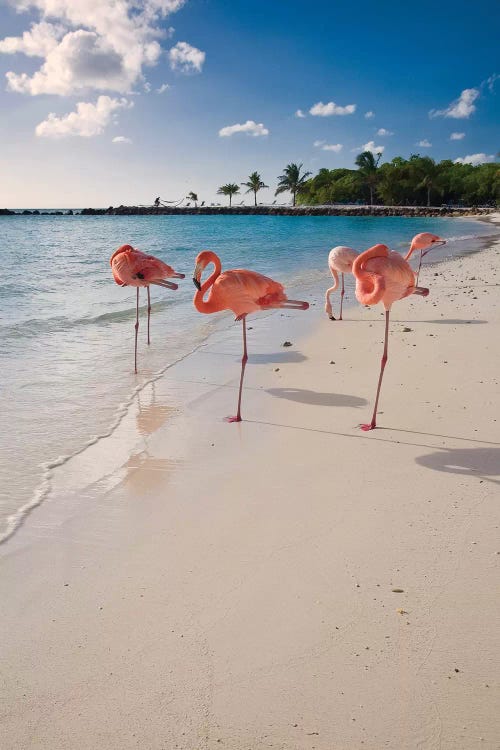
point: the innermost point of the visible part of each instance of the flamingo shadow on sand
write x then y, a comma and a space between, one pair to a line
483, 463
316, 398
277, 358
273, 358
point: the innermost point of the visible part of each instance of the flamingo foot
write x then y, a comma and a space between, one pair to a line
332, 317
367, 427
237, 418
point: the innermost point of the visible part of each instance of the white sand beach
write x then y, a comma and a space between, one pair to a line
290, 581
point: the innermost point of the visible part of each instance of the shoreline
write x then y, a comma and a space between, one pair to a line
351, 210
289, 580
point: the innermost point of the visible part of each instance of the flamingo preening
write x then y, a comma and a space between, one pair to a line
383, 276
241, 291
340, 260
131, 267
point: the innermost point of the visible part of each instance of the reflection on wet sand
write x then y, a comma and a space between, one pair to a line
153, 415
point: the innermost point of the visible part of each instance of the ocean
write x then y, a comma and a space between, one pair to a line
67, 330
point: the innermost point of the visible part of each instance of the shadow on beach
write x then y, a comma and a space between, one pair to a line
483, 463
317, 398
265, 359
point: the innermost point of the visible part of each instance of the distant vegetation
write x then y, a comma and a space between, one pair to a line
417, 181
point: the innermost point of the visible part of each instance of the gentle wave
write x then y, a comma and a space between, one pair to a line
37, 326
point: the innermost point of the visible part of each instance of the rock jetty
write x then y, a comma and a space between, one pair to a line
287, 211
263, 211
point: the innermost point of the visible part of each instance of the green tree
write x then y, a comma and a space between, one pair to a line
427, 175
230, 189
254, 184
193, 197
292, 181
368, 170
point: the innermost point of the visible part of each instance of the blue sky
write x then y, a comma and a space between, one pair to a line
165, 77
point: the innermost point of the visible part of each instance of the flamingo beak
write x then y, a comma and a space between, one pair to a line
196, 276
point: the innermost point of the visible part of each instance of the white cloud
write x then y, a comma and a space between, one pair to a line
88, 119
336, 147
424, 143
164, 87
249, 127
299, 113
326, 110
370, 146
94, 44
383, 131
38, 42
121, 139
461, 108
369, 115
457, 136
186, 59
490, 82
475, 159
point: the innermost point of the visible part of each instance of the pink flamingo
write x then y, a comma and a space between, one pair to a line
241, 291
131, 267
424, 242
340, 260
383, 276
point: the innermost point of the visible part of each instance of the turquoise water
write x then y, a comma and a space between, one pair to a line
67, 330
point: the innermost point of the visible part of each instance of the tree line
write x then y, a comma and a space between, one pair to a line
417, 181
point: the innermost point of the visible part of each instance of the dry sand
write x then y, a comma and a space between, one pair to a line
289, 582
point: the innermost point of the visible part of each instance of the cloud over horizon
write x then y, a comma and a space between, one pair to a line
86, 121
370, 146
250, 127
475, 159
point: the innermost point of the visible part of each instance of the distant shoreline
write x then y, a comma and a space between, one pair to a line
351, 210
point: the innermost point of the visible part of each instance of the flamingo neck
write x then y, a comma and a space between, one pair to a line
211, 304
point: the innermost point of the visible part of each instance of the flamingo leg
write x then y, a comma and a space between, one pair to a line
136, 329
419, 267
244, 359
383, 363
341, 297
149, 312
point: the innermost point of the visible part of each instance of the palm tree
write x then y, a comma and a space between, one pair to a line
429, 173
230, 189
193, 197
367, 168
254, 184
292, 181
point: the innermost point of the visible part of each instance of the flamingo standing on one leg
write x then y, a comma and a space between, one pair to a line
340, 260
383, 276
132, 267
242, 292
424, 242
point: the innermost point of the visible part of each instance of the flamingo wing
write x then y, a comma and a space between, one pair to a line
244, 291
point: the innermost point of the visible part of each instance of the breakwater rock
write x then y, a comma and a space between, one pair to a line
287, 211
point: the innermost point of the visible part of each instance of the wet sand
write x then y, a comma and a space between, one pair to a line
288, 582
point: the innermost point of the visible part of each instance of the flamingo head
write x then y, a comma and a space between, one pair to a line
202, 261
122, 249
425, 241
